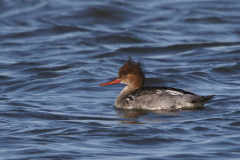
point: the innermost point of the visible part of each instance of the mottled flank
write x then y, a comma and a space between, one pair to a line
158, 98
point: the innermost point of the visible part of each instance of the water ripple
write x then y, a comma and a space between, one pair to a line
54, 55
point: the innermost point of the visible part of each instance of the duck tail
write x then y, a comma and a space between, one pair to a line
203, 99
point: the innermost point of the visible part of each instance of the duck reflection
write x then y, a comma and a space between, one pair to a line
143, 116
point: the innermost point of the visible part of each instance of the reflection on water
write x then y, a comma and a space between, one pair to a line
134, 114
144, 116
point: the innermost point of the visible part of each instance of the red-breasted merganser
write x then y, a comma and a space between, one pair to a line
135, 96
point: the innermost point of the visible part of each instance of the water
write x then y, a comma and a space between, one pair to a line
54, 55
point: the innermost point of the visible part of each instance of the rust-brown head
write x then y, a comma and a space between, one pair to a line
131, 74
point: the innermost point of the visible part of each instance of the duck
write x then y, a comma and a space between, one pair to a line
135, 96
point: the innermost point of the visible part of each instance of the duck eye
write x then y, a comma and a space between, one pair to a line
123, 76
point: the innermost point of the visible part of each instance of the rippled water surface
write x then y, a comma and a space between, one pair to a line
54, 55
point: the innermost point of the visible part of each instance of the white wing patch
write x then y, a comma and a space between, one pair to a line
159, 91
174, 93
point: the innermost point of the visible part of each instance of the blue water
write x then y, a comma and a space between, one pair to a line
54, 55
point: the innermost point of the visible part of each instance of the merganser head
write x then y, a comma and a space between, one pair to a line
131, 74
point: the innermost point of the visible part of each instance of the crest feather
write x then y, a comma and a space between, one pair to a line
131, 67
